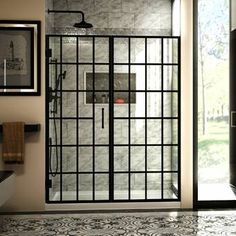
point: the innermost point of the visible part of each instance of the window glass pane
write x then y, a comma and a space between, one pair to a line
213, 101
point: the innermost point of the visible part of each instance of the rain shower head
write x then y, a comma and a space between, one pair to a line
83, 24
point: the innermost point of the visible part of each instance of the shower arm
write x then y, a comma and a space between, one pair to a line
61, 11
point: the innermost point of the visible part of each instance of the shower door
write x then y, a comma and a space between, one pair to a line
113, 118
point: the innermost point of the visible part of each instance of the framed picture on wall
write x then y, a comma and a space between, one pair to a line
20, 58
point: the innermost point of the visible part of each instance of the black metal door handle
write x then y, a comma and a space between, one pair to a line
102, 118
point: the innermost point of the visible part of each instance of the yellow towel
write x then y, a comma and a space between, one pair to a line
13, 146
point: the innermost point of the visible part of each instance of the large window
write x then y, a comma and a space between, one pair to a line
213, 164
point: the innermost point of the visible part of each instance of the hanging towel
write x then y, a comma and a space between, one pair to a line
13, 146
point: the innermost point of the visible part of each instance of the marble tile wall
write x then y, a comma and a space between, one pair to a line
150, 17
130, 17
49, 18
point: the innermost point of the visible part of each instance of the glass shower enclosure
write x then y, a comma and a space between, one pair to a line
113, 118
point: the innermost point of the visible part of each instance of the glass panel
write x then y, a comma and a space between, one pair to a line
138, 73
120, 158
100, 98
170, 80
102, 50
69, 49
137, 186
101, 78
167, 155
137, 131
85, 50
153, 131
170, 51
121, 186
153, 186
154, 104
122, 98
138, 106
102, 124
213, 102
101, 81
54, 191
68, 159
69, 104
85, 106
121, 50
85, 132
54, 44
175, 105
102, 159
137, 158
153, 77
83, 71
69, 80
175, 183
170, 104
54, 107
121, 131
121, 81
54, 70
68, 187
170, 132
168, 186
69, 132
55, 161
175, 131
54, 131
101, 187
154, 158
85, 187
167, 132
121, 78
85, 159
153, 50
121, 110
175, 159
137, 47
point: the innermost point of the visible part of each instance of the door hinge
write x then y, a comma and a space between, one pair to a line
49, 52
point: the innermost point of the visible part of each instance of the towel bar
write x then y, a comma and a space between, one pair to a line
28, 128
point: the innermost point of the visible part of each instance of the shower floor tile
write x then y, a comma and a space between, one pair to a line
148, 223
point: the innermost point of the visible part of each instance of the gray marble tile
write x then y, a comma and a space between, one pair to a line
69, 132
60, 5
107, 6
150, 21
160, 6
69, 159
87, 6
103, 5
115, 5
98, 19
133, 5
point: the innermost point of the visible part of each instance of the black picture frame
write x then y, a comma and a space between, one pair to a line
20, 59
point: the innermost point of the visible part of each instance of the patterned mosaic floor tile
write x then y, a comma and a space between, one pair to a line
130, 224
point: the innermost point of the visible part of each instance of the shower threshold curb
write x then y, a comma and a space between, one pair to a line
113, 206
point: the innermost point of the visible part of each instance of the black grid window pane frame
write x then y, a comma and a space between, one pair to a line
77, 90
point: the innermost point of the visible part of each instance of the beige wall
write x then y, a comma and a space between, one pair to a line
29, 193
186, 103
